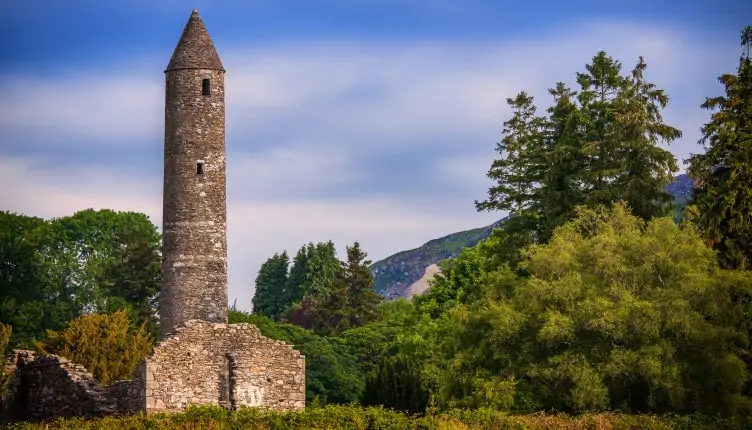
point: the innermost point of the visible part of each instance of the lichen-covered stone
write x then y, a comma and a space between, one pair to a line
230, 365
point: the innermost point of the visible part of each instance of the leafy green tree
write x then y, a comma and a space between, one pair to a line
28, 301
5, 376
105, 344
132, 275
93, 261
723, 173
616, 313
271, 282
367, 343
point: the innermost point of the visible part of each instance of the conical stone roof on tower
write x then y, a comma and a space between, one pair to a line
195, 49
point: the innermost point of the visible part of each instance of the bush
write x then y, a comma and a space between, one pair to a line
105, 344
376, 418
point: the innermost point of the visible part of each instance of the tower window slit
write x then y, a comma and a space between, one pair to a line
206, 87
199, 167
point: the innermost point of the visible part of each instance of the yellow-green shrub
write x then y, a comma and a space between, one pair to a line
105, 344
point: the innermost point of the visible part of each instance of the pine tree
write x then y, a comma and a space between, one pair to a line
723, 174
271, 282
600, 87
324, 269
561, 190
363, 301
297, 281
518, 171
639, 127
596, 147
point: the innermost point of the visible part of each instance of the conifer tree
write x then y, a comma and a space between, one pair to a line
723, 174
297, 280
517, 172
271, 282
561, 189
597, 146
363, 301
600, 87
324, 268
647, 168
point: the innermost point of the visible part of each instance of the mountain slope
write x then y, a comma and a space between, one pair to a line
394, 275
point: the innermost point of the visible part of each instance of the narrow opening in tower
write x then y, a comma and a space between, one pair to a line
206, 87
200, 167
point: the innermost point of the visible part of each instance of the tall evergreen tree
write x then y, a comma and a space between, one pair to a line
561, 188
298, 278
363, 301
517, 172
647, 168
723, 174
271, 282
600, 87
324, 269
596, 146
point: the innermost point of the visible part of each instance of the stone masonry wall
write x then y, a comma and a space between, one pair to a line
50, 386
229, 365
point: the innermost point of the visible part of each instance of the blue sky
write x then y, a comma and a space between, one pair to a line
347, 120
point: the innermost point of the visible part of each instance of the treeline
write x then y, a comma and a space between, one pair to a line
589, 298
318, 291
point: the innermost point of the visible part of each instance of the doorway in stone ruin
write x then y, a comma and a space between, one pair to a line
227, 382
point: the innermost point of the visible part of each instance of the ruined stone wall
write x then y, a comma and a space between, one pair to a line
229, 365
50, 386
194, 249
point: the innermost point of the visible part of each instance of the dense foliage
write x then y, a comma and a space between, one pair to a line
357, 418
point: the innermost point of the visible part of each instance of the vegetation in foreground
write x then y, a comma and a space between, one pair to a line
375, 418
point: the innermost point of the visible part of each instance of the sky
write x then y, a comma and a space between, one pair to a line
362, 120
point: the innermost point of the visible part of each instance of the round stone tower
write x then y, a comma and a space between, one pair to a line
194, 217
